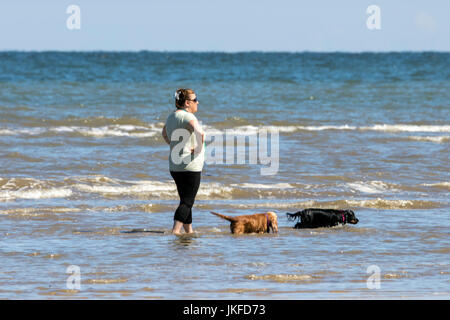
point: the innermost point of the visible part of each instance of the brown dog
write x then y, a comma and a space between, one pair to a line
252, 223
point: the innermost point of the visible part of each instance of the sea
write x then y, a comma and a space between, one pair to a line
83, 166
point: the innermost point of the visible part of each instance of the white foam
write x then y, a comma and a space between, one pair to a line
128, 130
285, 129
370, 186
7, 132
438, 184
103, 131
383, 203
248, 130
264, 186
35, 194
21, 183
111, 131
251, 129
31, 132
377, 203
154, 187
436, 139
321, 128
408, 128
63, 129
279, 205
209, 189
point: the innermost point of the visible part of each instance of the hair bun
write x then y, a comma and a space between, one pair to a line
181, 95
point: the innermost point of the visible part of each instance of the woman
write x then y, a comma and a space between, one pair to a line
186, 138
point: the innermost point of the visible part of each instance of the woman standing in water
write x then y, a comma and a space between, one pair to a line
186, 138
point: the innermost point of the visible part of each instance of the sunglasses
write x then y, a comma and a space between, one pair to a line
195, 100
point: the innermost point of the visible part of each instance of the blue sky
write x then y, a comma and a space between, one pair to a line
227, 25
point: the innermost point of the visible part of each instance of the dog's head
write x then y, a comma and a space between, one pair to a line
273, 221
293, 216
350, 217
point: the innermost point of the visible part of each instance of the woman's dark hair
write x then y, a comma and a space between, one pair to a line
181, 95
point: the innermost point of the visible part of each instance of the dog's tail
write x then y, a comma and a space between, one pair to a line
231, 219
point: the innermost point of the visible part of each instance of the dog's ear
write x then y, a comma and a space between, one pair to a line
274, 223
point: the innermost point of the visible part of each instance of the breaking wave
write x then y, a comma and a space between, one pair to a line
435, 139
143, 130
278, 195
371, 187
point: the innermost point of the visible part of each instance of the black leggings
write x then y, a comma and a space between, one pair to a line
187, 185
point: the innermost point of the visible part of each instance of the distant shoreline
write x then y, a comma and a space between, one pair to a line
224, 52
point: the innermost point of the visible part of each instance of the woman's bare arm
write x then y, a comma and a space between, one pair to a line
164, 134
199, 135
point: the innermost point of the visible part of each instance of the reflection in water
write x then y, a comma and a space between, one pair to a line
184, 240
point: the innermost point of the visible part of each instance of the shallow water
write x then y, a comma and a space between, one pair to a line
409, 249
83, 162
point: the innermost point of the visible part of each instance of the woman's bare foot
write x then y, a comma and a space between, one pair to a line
188, 228
177, 227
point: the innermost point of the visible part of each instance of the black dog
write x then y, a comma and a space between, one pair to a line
317, 218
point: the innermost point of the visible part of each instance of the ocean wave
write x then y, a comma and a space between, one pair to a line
252, 129
264, 186
371, 187
20, 156
143, 130
30, 188
23, 183
167, 189
110, 131
408, 128
322, 128
6, 132
443, 185
393, 204
99, 121
35, 194
248, 130
281, 277
278, 195
436, 139
22, 131
116, 130
45, 213
379, 203
142, 187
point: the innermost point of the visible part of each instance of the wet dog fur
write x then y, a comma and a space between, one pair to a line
252, 223
318, 218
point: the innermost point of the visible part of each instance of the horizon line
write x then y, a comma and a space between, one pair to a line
223, 52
